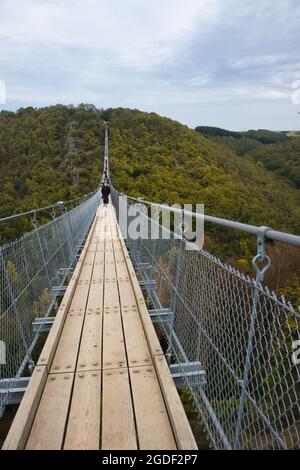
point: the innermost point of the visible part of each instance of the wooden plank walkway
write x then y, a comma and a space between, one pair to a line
102, 381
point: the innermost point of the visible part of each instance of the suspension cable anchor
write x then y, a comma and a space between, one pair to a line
261, 256
34, 220
31, 366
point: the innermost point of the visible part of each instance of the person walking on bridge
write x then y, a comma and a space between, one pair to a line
105, 192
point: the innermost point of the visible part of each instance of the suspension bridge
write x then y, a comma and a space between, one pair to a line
103, 380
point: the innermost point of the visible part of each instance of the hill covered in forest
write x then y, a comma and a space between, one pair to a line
279, 152
55, 153
162, 160
47, 155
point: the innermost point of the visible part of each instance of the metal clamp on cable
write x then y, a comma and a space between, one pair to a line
261, 256
34, 220
53, 214
31, 366
62, 207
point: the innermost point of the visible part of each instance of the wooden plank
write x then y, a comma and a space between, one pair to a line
50, 346
153, 425
114, 227
90, 352
67, 350
151, 336
152, 339
83, 428
118, 430
136, 343
22, 423
106, 225
111, 295
153, 342
80, 295
114, 355
48, 428
48, 351
95, 299
181, 428
110, 269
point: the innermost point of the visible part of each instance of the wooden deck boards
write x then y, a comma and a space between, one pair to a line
83, 430
102, 380
118, 428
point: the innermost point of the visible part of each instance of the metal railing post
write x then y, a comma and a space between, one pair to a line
53, 216
13, 305
69, 233
174, 300
35, 225
263, 258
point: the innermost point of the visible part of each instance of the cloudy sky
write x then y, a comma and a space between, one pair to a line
229, 63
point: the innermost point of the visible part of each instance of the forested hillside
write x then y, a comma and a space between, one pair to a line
55, 153
283, 159
163, 160
47, 155
262, 136
279, 152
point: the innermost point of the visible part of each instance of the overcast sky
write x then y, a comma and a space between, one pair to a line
229, 63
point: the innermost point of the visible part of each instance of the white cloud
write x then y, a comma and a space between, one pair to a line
254, 61
132, 30
147, 53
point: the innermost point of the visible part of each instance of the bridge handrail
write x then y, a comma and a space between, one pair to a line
269, 233
48, 208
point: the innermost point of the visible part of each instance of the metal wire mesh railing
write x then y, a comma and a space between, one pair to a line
229, 336
30, 268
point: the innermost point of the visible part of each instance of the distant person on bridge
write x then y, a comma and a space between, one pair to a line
105, 192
